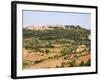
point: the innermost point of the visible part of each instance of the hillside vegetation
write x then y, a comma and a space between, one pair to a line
56, 47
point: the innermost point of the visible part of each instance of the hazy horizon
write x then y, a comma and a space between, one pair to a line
56, 18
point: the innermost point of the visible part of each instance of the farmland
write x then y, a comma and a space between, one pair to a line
56, 48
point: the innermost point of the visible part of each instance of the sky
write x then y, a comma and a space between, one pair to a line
62, 18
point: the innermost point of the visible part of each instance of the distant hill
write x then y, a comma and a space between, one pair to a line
51, 27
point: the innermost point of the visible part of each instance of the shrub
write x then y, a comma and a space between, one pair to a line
38, 61
65, 58
82, 63
47, 51
49, 57
25, 63
57, 66
88, 63
72, 63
